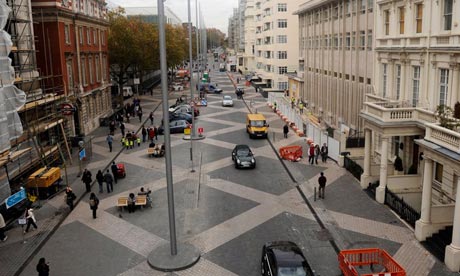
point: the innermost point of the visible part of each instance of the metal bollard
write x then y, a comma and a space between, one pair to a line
314, 193
273, 136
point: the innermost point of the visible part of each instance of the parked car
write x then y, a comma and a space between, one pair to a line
227, 100
284, 258
243, 157
175, 126
180, 116
185, 108
127, 92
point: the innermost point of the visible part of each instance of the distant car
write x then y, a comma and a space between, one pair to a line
227, 100
180, 116
243, 157
284, 258
175, 126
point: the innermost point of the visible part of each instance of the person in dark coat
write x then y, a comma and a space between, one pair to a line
109, 181
93, 203
100, 180
285, 130
87, 179
114, 169
70, 197
43, 267
144, 134
122, 128
322, 185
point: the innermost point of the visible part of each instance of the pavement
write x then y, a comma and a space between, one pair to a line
117, 243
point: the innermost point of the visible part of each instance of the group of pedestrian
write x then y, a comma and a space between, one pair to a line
314, 151
130, 139
108, 178
133, 109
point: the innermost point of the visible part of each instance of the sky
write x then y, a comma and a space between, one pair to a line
215, 12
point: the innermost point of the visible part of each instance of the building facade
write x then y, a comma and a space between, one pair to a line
336, 60
249, 33
416, 73
73, 39
276, 46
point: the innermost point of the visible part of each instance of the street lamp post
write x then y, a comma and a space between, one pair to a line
192, 134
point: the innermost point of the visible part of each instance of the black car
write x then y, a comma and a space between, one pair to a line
243, 157
284, 258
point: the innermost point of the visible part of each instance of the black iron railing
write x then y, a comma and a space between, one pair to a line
355, 142
352, 167
404, 210
372, 188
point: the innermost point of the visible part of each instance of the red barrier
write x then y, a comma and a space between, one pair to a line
291, 153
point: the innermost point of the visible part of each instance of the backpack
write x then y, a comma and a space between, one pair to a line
93, 202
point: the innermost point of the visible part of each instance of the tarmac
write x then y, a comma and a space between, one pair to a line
348, 213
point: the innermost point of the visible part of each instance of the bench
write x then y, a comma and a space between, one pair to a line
141, 200
122, 202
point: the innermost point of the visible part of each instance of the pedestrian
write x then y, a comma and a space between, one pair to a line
3, 237
151, 117
114, 169
93, 203
43, 267
138, 139
322, 185
87, 179
109, 140
292, 102
30, 217
112, 126
144, 134
286, 130
151, 134
69, 197
311, 153
317, 153
100, 180
301, 107
274, 105
127, 142
108, 178
131, 203
122, 128
127, 117
155, 132
324, 152
139, 114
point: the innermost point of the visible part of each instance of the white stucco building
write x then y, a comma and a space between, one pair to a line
416, 70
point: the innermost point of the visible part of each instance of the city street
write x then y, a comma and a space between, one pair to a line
227, 213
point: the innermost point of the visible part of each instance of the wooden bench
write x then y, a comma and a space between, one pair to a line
122, 202
141, 200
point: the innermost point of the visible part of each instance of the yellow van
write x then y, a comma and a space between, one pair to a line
256, 125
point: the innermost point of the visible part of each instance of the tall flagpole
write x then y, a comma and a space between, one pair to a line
192, 134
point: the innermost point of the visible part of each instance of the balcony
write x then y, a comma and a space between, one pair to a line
395, 112
443, 137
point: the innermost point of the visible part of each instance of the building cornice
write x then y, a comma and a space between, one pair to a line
50, 14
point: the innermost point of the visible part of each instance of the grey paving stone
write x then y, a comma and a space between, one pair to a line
241, 137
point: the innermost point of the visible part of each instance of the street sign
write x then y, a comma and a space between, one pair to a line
137, 81
67, 109
82, 154
200, 130
15, 198
187, 131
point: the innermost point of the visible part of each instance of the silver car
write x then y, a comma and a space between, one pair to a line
227, 101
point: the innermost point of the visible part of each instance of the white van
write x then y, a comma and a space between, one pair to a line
127, 92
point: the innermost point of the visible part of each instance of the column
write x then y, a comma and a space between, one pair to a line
423, 225
454, 89
380, 193
367, 159
452, 257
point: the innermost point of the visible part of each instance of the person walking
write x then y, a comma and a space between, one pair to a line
112, 126
311, 154
155, 132
322, 185
144, 134
93, 203
3, 237
317, 153
114, 169
301, 107
87, 179
151, 133
131, 203
109, 181
30, 217
100, 180
324, 152
69, 197
43, 267
122, 128
139, 114
286, 130
109, 140
151, 118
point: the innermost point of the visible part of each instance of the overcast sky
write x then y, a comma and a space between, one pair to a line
215, 12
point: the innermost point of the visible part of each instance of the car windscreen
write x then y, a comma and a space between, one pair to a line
291, 271
227, 98
243, 152
258, 123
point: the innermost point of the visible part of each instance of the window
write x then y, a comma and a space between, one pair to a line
438, 172
69, 74
415, 85
401, 20
353, 42
363, 6
443, 86
90, 65
362, 40
448, 15
398, 81
95, 37
370, 5
336, 41
88, 36
67, 34
282, 85
282, 54
282, 7
369, 40
386, 19
80, 35
418, 18
347, 41
348, 8
83, 71
384, 79
98, 69
282, 23
281, 39
104, 68
282, 70
103, 37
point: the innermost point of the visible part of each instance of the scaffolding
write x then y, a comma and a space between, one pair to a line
43, 125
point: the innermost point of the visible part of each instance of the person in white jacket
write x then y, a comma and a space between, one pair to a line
3, 237
30, 220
